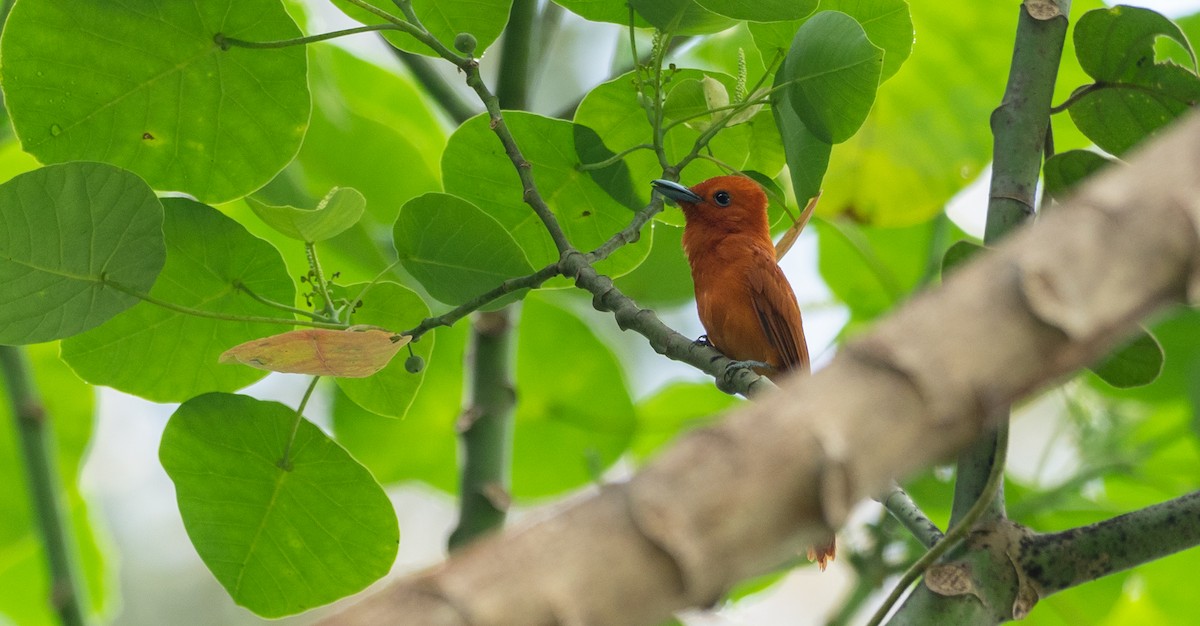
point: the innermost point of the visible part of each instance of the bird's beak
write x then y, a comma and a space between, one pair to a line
676, 192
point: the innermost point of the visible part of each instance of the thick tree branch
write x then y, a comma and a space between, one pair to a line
1058, 561
736, 499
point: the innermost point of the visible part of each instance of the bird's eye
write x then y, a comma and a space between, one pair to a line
721, 198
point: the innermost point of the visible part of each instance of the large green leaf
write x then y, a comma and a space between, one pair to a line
484, 19
613, 111
674, 409
422, 446
26, 596
834, 71
360, 138
477, 169
168, 356
612, 11
142, 85
887, 23
281, 536
1063, 171
871, 269
340, 209
1119, 116
396, 308
575, 416
1113, 43
67, 234
681, 17
807, 154
664, 279
1134, 364
455, 249
760, 10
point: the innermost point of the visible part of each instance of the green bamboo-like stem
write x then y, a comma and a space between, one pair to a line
45, 488
956, 533
1058, 561
1019, 126
486, 430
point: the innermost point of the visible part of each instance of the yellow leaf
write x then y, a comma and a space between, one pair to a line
789, 238
320, 352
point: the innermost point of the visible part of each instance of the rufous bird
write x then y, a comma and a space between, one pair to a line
745, 302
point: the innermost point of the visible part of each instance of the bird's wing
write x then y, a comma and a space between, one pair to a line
779, 315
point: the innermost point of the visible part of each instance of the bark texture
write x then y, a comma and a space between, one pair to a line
736, 499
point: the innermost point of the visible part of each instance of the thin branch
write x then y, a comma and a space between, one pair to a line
512, 285
901, 506
956, 533
66, 589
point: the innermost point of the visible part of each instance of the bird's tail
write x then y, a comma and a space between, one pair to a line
823, 552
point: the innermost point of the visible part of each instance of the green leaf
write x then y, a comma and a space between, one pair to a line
24, 577
454, 249
575, 416
681, 17
167, 356
611, 11
835, 71
871, 269
807, 154
280, 541
676, 408
340, 209
1063, 171
912, 155
887, 23
760, 10
686, 102
478, 171
1113, 44
664, 279
611, 110
146, 88
396, 308
1119, 116
1137, 363
443, 18
959, 253
423, 446
67, 233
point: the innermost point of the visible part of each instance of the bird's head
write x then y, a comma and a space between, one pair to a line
726, 203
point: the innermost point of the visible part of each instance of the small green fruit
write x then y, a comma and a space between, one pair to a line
414, 364
465, 43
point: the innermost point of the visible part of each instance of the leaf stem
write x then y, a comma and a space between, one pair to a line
45, 487
250, 319
599, 165
226, 43
901, 506
954, 535
240, 286
285, 462
318, 279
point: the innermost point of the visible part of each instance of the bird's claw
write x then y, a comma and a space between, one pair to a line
702, 340
734, 366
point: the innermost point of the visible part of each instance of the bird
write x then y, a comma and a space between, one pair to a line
744, 300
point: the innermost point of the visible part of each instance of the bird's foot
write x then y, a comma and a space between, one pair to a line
702, 340
734, 366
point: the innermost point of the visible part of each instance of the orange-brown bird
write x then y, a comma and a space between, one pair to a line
745, 302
